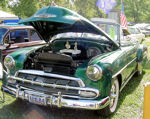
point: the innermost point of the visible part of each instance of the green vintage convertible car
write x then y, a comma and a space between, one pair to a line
79, 67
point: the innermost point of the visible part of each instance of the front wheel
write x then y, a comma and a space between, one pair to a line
114, 95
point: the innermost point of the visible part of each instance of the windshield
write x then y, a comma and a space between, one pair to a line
110, 29
2, 33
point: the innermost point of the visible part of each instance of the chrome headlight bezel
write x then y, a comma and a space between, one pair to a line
94, 72
9, 62
1, 71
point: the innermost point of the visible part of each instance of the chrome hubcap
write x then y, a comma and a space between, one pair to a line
114, 94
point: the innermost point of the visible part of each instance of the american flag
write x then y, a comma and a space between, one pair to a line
123, 17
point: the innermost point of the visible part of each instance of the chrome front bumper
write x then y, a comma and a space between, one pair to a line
58, 100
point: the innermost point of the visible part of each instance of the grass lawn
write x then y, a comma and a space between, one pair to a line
132, 96
130, 101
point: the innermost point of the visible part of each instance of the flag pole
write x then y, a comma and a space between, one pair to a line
121, 5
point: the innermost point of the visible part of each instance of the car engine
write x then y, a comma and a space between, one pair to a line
64, 56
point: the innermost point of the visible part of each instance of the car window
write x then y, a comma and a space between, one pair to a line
18, 36
109, 29
132, 30
2, 33
34, 36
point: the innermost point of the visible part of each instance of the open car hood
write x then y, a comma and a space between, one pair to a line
50, 21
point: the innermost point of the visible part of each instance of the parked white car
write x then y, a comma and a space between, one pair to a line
144, 28
136, 32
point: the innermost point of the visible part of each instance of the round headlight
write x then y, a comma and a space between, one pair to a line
94, 72
9, 62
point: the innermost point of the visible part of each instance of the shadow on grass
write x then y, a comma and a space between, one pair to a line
30, 111
15, 110
24, 110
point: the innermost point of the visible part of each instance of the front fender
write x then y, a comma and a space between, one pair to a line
20, 57
103, 85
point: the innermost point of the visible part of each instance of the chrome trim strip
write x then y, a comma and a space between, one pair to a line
56, 86
42, 73
60, 101
123, 68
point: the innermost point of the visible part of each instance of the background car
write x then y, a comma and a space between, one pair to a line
136, 32
86, 70
144, 28
110, 26
13, 37
114, 30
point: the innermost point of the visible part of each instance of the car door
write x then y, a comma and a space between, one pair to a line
129, 49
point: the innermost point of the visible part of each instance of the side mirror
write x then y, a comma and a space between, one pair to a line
9, 43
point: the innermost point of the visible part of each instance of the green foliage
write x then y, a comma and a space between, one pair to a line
24, 8
135, 10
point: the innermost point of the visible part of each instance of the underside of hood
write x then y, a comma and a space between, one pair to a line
52, 20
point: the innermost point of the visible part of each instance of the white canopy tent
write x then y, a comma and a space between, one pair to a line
7, 16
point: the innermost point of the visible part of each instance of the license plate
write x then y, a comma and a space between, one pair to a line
37, 99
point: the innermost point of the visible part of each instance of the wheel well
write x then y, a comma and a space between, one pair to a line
119, 77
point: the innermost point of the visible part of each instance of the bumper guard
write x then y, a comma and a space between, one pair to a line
58, 100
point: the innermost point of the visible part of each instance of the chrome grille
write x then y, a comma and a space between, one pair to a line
37, 81
49, 90
49, 80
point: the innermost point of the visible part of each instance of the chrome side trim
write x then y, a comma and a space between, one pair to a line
123, 68
56, 86
59, 101
42, 73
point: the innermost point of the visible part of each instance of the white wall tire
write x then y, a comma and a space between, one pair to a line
114, 96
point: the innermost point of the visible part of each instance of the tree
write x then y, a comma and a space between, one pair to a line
136, 11
24, 8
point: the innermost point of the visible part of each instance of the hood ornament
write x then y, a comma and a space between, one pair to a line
74, 51
67, 45
75, 46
